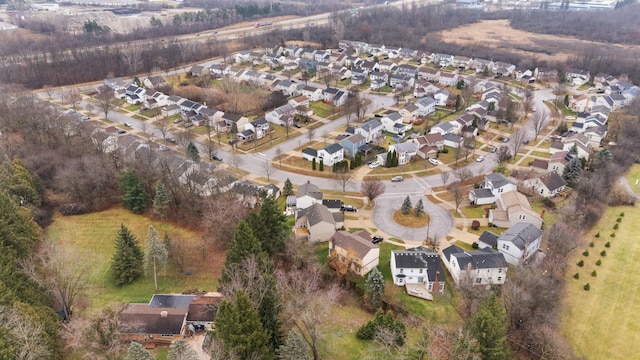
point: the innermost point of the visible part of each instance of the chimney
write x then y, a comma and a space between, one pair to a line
163, 314
436, 284
308, 181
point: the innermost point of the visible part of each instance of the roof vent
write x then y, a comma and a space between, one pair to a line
164, 314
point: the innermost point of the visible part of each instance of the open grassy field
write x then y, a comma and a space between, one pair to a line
89, 241
633, 176
602, 323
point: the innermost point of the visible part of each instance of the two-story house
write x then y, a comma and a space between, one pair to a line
371, 129
418, 269
282, 115
331, 154
512, 207
481, 267
307, 195
353, 253
352, 143
519, 243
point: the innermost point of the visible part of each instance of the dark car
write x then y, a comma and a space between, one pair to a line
377, 239
172, 140
494, 149
348, 208
297, 124
120, 132
217, 157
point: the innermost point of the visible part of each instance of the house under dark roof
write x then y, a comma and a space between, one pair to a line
419, 258
487, 258
310, 151
521, 234
552, 181
204, 308
171, 301
332, 204
333, 148
489, 238
145, 319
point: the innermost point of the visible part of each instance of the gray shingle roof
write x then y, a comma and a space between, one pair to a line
489, 238
419, 258
521, 234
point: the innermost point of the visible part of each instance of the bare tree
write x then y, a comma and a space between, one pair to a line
211, 144
342, 178
458, 195
184, 137
71, 96
538, 122
527, 99
268, 169
105, 99
462, 174
444, 176
236, 160
311, 134
372, 188
146, 130
27, 336
518, 139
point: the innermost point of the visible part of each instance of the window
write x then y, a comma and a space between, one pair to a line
478, 281
421, 271
499, 278
521, 216
500, 270
401, 271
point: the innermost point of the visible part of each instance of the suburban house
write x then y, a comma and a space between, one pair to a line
428, 145
409, 112
371, 129
156, 100
441, 97
170, 110
313, 93
559, 160
494, 185
488, 240
448, 79
512, 207
236, 120
352, 143
519, 242
331, 154
154, 81
334, 96
442, 128
481, 267
577, 141
117, 83
423, 88
546, 185
405, 151
248, 193
319, 222
199, 70
282, 115
135, 95
426, 106
354, 253
307, 195
419, 270
394, 123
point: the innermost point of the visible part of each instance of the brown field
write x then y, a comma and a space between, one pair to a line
500, 35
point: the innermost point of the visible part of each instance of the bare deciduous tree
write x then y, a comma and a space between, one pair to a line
71, 96
236, 160
372, 188
105, 99
268, 169
311, 134
279, 155
444, 176
462, 174
342, 178
538, 122
458, 195
518, 139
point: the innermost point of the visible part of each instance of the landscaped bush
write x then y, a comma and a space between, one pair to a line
587, 287
619, 220
603, 253
594, 273
598, 234
591, 244
576, 276
548, 203
581, 263
613, 234
621, 214
585, 253
608, 244
599, 262
616, 226
475, 245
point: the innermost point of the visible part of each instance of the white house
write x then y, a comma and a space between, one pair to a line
353, 252
393, 123
417, 267
519, 242
512, 207
307, 195
405, 151
371, 129
441, 96
331, 154
482, 267
426, 105
282, 115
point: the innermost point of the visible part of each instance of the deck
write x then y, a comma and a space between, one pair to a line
419, 290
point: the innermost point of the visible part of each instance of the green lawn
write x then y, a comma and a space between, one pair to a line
473, 211
633, 176
321, 109
89, 240
609, 311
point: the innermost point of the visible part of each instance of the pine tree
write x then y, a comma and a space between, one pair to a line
242, 245
239, 328
180, 350
138, 352
388, 163
294, 348
321, 167
20, 183
288, 188
156, 254
160, 201
313, 164
134, 197
419, 209
269, 227
375, 288
572, 171
127, 261
406, 206
192, 152
488, 325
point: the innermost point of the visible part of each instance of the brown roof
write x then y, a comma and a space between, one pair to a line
359, 242
144, 319
542, 164
204, 307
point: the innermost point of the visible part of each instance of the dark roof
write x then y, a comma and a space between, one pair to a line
521, 234
419, 258
310, 151
309, 189
144, 319
204, 308
246, 188
538, 163
489, 238
316, 214
453, 249
552, 181
332, 204
171, 300
359, 242
482, 193
333, 148
338, 216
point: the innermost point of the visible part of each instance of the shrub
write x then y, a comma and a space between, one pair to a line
619, 220
599, 262
616, 226
585, 253
613, 234
591, 244
603, 253
548, 203
581, 263
587, 287
475, 245
598, 234
594, 273
622, 214
576, 276
608, 244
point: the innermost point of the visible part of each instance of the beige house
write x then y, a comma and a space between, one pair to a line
512, 207
353, 252
319, 221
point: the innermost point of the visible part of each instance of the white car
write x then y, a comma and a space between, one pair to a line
480, 159
569, 117
434, 161
374, 165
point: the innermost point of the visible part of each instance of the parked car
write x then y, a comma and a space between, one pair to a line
297, 124
374, 165
398, 178
569, 117
377, 239
163, 148
86, 117
217, 157
351, 208
127, 124
480, 159
525, 142
120, 132
494, 149
505, 140
172, 140
187, 125
434, 161
177, 120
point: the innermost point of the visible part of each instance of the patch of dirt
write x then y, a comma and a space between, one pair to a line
499, 34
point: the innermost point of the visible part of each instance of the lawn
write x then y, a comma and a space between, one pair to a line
473, 211
607, 312
321, 109
633, 178
89, 240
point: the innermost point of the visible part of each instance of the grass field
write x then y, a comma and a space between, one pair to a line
89, 241
602, 323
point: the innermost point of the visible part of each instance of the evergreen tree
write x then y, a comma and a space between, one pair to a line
406, 206
566, 100
134, 197
488, 325
388, 162
572, 171
313, 164
192, 152
239, 328
160, 201
127, 262
574, 150
269, 227
180, 350
17, 180
137, 352
288, 188
156, 254
375, 288
294, 348
321, 167
18, 232
419, 210
242, 245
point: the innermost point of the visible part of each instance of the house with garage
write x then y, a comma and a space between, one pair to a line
401, 82
577, 77
135, 95
448, 79
422, 88
331, 154
199, 70
371, 129
546, 184
259, 128
334, 96
352, 143
442, 128
394, 123
156, 100
307, 195
313, 93
428, 73
435, 141
353, 253
426, 106
419, 270
559, 160
282, 115
519, 243
488, 240
481, 267
234, 121
320, 223
409, 112
405, 151
513, 207
154, 81
494, 185
441, 97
